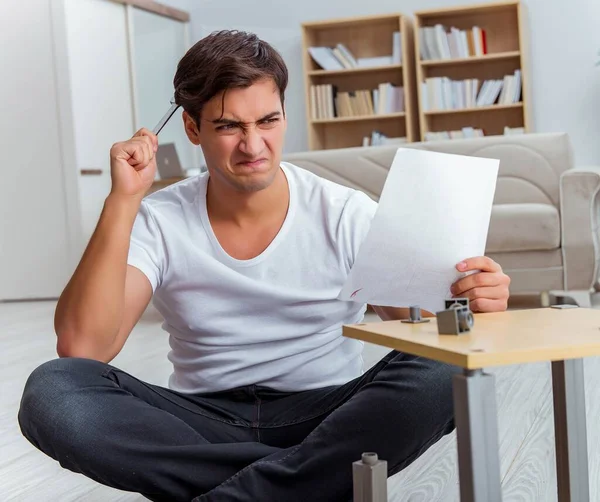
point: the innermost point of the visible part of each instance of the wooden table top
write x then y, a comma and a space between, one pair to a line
502, 338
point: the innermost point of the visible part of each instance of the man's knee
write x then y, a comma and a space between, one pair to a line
415, 407
52, 400
424, 386
437, 387
57, 377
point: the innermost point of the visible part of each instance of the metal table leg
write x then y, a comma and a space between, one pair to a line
568, 389
477, 437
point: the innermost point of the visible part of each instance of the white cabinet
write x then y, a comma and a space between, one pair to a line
100, 95
121, 61
38, 230
72, 85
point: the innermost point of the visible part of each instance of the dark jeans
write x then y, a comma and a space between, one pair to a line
247, 444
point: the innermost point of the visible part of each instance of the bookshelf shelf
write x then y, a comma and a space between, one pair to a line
477, 109
353, 71
493, 35
491, 8
472, 59
352, 91
362, 118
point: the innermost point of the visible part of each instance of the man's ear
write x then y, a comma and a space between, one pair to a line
191, 129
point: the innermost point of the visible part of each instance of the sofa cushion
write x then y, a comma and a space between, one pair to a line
530, 164
531, 260
523, 227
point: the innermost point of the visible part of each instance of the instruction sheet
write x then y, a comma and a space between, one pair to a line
434, 211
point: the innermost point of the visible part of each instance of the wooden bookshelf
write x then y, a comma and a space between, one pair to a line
365, 37
360, 118
472, 59
504, 26
346, 71
477, 109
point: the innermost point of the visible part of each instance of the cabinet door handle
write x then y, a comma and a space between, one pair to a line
91, 172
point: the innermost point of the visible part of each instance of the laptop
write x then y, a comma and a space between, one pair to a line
167, 162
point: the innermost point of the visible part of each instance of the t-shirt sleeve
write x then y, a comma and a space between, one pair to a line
355, 224
145, 247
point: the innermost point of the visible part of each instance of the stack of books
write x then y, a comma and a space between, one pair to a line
340, 57
511, 89
321, 102
513, 131
465, 132
469, 132
388, 98
327, 103
437, 42
354, 104
442, 93
377, 138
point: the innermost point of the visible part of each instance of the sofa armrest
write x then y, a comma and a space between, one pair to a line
580, 215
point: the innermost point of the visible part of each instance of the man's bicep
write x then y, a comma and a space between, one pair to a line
138, 293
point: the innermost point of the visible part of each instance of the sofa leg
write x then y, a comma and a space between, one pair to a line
580, 298
545, 299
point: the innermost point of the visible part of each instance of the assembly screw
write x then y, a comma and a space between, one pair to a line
415, 316
415, 313
370, 458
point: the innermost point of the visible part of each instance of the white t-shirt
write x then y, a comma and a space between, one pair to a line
273, 320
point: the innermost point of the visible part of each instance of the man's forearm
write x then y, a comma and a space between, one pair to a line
90, 309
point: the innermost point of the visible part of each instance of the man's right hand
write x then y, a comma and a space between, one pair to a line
133, 164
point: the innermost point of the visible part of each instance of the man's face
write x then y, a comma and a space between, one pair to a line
242, 136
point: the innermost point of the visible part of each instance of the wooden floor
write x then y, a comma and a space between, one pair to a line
523, 394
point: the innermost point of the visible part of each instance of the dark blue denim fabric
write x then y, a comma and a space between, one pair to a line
247, 444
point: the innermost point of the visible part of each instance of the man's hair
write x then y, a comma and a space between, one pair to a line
224, 60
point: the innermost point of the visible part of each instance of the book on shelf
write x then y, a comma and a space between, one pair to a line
465, 132
326, 102
354, 104
511, 88
442, 93
325, 58
469, 132
396, 48
377, 138
438, 42
340, 57
373, 62
388, 98
322, 104
513, 131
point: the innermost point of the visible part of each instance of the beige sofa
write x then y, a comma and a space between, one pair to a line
544, 223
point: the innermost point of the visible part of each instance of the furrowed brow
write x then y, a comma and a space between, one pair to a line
226, 122
271, 115
222, 121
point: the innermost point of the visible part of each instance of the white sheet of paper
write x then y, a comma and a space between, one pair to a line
434, 211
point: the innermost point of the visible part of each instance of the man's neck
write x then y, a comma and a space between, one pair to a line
226, 204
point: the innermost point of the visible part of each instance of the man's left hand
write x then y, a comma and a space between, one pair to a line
487, 289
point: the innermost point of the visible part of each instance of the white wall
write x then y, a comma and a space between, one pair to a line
564, 40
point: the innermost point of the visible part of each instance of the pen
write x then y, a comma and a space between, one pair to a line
163, 121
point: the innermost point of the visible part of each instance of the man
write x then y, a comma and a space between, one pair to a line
267, 401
